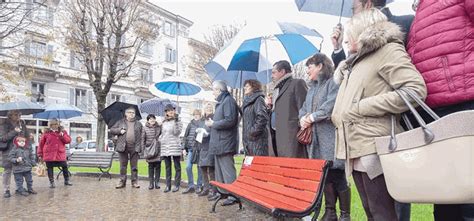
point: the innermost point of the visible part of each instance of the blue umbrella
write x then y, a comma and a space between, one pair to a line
174, 86
156, 106
59, 111
255, 49
24, 107
341, 8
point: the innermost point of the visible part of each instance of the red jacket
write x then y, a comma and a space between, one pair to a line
51, 147
441, 45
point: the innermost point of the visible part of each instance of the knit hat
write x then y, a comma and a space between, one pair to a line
169, 107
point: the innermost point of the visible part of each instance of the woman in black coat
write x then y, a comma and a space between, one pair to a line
256, 117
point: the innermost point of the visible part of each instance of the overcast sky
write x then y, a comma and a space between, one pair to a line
207, 13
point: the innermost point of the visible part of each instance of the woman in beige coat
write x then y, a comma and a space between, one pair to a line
366, 100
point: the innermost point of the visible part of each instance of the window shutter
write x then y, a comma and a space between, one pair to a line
109, 99
89, 100
50, 15
150, 75
123, 98
72, 96
72, 59
27, 47
173, 57
50, 50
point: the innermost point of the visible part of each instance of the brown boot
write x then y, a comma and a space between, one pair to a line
345, 204
330, 198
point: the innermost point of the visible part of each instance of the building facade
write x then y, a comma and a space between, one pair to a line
48, 72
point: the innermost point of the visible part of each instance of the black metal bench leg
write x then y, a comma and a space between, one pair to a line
240, 203
60, 171
105, 172
223, 196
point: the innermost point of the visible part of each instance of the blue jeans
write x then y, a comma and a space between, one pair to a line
189, 171
19, 181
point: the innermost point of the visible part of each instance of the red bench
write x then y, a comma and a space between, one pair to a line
283, 187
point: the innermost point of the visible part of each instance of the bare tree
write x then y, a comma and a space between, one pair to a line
14, 17
106, 36
217, 38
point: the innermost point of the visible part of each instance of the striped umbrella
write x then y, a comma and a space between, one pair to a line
156, 106
254, 50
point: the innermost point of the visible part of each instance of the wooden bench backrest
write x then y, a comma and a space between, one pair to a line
290, 180
99, 158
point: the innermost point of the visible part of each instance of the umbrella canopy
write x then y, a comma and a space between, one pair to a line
59, 111
254, 50
175, 86
24, 107
341, 8
116, 112
156, 106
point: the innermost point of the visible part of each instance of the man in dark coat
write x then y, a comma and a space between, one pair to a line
224, 141
128, 146
288, 97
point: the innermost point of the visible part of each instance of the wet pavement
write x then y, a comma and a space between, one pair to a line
90, 199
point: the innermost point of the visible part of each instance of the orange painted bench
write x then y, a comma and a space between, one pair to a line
283, 187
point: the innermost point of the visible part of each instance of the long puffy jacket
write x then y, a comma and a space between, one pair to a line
169, 138
52, 145
441, 45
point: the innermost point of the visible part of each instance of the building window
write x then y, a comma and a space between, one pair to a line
115, 97
169, 29
146, 75
80, 100
74, 62
42, 13
170, 55
37, 92
147, 48
40, 53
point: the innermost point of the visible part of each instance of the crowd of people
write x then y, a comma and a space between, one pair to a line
348, 101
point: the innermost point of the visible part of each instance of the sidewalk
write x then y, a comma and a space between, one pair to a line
90, 199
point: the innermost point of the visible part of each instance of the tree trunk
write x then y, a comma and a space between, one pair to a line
100, 126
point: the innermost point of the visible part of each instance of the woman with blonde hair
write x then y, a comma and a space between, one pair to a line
378, 65
52, 150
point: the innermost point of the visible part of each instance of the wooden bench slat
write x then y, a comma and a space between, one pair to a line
286, 181
300, 174
289, 162
264, 201
302, 205
279, 189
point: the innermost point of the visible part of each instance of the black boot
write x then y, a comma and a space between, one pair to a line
330, 198
345, 204
51, 184
157, 175
67, 182
7, 194
151, 176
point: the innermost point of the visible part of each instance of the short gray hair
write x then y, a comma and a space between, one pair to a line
221, 85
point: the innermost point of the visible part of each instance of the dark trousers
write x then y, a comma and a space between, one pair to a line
19, 181
177, 168
208, 175
154, 171
124, 157
377, 203
50, 168
403, 211
337, 178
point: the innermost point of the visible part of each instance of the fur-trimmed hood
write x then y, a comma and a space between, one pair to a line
373, 38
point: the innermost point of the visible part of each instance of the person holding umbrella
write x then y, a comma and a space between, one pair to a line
171, 146
13, 127
128, 145
52, 150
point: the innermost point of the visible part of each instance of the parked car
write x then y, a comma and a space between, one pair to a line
90, 146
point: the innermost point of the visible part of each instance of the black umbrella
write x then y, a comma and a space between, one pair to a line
116, 112
24, 107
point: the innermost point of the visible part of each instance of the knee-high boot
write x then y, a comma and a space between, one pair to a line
151, 176
345, 204
330, 198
